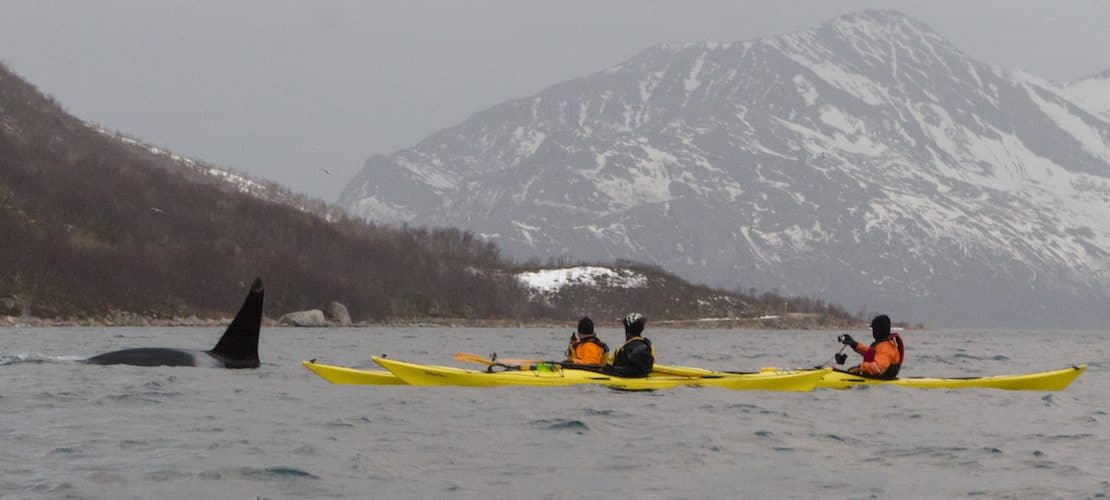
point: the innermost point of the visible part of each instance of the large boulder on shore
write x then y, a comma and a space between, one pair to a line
337, 313
311, 318
9, 306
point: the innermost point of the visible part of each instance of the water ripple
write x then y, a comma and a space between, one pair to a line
559, 424
28, 358
276, 473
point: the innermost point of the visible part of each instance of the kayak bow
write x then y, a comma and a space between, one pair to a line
1041, 381
352, 376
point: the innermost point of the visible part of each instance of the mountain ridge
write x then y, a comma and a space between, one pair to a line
98, 228
865, 160
96, 224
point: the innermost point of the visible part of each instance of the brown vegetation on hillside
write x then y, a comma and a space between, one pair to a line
666, 296
89, 223
92, 223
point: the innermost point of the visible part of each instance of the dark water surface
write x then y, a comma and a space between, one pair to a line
69, 430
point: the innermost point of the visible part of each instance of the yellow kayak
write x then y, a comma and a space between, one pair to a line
1041, 381
787, 380
352, 376
771, 380
767, 379
666, 375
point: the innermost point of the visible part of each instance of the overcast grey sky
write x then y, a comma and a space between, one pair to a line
282, 88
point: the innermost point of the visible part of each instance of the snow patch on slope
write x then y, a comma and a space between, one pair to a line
1090, 139
549, 281
692, 82
244, 184
375, 210
1093, 93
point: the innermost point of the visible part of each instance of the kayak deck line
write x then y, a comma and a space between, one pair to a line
418, 374
772, 380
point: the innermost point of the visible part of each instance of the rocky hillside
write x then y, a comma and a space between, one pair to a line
93, 224
610, 292
866, 160
101, 228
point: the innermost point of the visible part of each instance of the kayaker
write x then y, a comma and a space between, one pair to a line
585, 348
883, 358
636, 357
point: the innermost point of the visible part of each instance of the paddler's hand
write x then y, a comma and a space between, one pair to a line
847, 340
854, 370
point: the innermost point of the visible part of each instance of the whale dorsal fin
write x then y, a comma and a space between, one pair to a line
238, 347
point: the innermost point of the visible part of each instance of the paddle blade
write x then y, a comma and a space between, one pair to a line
474, 358
681, 371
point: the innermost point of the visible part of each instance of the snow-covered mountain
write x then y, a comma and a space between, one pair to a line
866, 161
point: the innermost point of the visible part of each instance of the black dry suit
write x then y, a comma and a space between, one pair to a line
633, 359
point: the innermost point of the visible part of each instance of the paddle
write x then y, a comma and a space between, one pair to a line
539, 365
526, 364
518, 364
840, 357
493, 359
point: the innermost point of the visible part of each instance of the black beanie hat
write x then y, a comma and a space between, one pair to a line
586, 325
880, 327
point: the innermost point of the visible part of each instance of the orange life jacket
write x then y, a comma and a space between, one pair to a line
871, 367
587, 350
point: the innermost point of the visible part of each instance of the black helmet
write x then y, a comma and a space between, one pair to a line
586, 325
633, 324
880, 327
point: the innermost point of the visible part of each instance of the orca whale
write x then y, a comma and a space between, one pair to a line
237, 348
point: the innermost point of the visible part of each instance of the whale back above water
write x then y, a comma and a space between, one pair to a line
237, 348
147, 356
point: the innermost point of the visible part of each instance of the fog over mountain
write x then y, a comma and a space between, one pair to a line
865, 160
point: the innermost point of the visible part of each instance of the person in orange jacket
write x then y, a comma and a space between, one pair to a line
585, 348
883, 358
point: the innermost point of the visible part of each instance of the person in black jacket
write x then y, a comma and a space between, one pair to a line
636, 357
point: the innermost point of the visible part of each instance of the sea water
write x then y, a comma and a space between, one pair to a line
69, 430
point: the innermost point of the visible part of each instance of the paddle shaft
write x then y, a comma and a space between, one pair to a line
493, 359
524, 365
